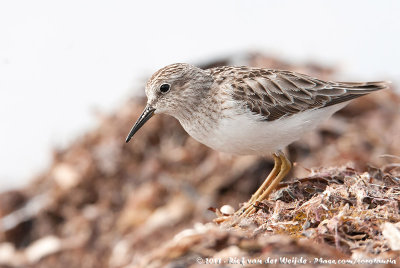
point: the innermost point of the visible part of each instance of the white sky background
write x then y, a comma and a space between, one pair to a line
59, 60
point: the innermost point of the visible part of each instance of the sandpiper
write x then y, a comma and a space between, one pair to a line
246, 110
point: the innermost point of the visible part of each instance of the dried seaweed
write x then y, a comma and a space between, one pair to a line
103, 203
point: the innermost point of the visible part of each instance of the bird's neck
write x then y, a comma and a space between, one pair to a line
202, 116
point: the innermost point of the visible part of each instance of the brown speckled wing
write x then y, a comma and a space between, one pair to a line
275, 94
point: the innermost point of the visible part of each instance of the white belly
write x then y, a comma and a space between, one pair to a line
242, 134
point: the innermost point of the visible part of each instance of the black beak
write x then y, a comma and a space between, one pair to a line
146, 115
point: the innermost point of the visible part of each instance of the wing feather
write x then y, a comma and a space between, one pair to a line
274, 94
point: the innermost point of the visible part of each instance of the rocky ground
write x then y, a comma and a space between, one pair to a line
151, 203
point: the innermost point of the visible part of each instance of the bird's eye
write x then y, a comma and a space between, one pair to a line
164, 88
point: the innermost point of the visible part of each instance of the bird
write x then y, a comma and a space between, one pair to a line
247, 110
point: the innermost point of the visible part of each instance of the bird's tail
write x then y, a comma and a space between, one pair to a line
363, 88
346, 91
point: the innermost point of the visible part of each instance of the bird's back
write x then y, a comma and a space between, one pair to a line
273, 94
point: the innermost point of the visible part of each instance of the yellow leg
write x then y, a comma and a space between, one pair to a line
267, 181
286, 166
281, 169
274, 172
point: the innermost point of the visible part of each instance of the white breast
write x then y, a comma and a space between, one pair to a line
245, 133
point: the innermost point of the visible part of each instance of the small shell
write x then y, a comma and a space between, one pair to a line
227, 210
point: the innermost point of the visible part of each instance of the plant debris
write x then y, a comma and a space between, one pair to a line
104, 203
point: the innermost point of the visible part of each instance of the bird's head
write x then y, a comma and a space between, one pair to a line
172, 90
